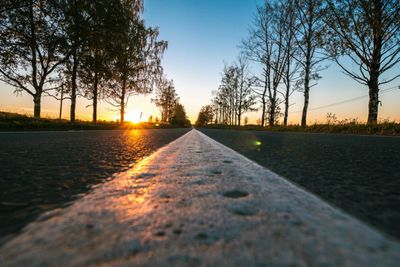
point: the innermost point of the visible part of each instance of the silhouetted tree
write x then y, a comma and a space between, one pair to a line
234, 95
290, 73
166, 99
310, 36
179, 117
265, 46
100, 48
205, 116
138, 64
75, 29
367, 32
31, 48
245, 98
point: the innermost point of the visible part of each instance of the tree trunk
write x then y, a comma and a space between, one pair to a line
373, 100
307, 67
272, 114
61, 101
37, 106
285, 117
287, 94
305, 107
38, 94
95, 96
264, 104
122, 108
73, 87
306, 95
122, 112
373, 83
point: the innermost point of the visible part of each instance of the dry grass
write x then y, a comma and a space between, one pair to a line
17, 122
343, 127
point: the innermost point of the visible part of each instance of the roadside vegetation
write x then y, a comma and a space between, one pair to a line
102, 51
17, 122
350, 127
333, 125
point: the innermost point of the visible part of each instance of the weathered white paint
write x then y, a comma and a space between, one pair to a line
178, 208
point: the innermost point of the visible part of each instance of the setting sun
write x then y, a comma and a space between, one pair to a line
134, 116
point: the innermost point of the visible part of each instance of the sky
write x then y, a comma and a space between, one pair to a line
202, 35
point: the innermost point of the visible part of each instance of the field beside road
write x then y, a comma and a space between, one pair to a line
17, 122
41, 171
359, 174
389, 128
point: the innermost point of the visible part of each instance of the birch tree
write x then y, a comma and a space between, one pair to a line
245, 99
264, 47
290, 73
310, 38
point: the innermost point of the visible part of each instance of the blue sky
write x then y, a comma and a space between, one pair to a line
202, 35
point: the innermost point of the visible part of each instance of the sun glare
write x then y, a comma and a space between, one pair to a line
134, 117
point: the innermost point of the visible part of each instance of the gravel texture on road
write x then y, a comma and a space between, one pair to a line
41, 171
359, 174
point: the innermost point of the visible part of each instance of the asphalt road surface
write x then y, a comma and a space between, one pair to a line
359, 174
40, 171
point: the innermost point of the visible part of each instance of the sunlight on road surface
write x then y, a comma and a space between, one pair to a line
137, 188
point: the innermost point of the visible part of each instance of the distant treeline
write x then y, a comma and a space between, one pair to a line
290, 40
100, 50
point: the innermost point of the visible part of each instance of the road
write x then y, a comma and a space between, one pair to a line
41, 171
359, 174
198, 203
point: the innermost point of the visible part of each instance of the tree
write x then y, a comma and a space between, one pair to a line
368, 33
291, 69
75, 29
205, 116
30, 49
310, 37
245, 98
166, 99
234, 95
228, 89
100, 49
220, 105
138, 64
265, 46
179, 117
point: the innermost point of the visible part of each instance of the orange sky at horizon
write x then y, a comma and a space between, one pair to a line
9, 102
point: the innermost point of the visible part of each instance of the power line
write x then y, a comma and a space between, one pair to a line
387, 90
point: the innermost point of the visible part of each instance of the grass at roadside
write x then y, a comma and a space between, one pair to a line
17, 122
384, 128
